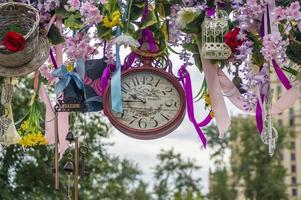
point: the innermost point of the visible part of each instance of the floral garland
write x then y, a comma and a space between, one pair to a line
177, 23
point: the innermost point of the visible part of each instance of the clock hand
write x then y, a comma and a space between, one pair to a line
142, 100
133, 101
136, 97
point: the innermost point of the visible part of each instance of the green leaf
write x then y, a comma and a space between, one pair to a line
164, 9
198, 62
62, 12
202, 91
139, 3
136, 12
149, 21
55, 36
192, 47
257, 57
195, 25
292, 54
74, 22
104, 32
290, 70
14, 28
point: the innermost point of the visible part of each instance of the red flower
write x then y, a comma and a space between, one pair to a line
231, 39
13, 41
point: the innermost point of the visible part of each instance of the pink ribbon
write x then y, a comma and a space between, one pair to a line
49, 115
214, 89
287, 99
63, 117
218, 85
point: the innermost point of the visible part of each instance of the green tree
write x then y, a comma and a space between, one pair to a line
28, 173
262, 175
175, 178
221, 186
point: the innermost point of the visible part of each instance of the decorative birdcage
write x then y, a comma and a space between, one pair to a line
213, 32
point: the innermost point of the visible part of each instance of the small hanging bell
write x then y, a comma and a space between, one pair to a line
70, 137
69, 167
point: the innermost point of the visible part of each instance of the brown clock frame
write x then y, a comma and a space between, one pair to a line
150, 133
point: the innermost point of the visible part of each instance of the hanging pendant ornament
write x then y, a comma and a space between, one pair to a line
8, 132
214, 29
270, 133
237, 81
83, 150
4, 124
69, 167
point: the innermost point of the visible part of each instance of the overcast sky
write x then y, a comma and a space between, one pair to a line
183, 140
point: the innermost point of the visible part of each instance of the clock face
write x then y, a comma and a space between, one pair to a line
152, 105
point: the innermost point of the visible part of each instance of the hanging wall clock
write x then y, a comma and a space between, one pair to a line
153, 102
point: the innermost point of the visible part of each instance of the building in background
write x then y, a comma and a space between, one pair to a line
291, 157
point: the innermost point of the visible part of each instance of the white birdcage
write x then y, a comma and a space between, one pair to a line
213, 32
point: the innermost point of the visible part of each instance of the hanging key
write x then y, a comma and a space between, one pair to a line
83, 155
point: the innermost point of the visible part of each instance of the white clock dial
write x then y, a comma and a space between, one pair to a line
149, 101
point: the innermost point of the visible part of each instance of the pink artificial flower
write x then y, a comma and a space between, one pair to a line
78, 47
103, 1
279, 13
91, 13
294, 15
74, 3
274, 47
295, 6
45, 71
293, 12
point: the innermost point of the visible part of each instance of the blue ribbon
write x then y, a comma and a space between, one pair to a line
65, 78
116, 98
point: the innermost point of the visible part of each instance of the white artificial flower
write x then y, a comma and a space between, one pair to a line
187, 15
126, 40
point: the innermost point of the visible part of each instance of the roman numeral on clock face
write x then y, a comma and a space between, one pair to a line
150, 101
165, 117
135, 81
125, 87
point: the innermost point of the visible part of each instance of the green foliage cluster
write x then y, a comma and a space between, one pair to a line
28, 173
251, 167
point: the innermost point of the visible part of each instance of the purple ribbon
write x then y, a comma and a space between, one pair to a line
259, 117
105, 77
53, 59
282, 77
94, 84
186, 82
259, 111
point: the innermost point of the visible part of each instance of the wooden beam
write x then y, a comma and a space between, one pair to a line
56, 153
76, 169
